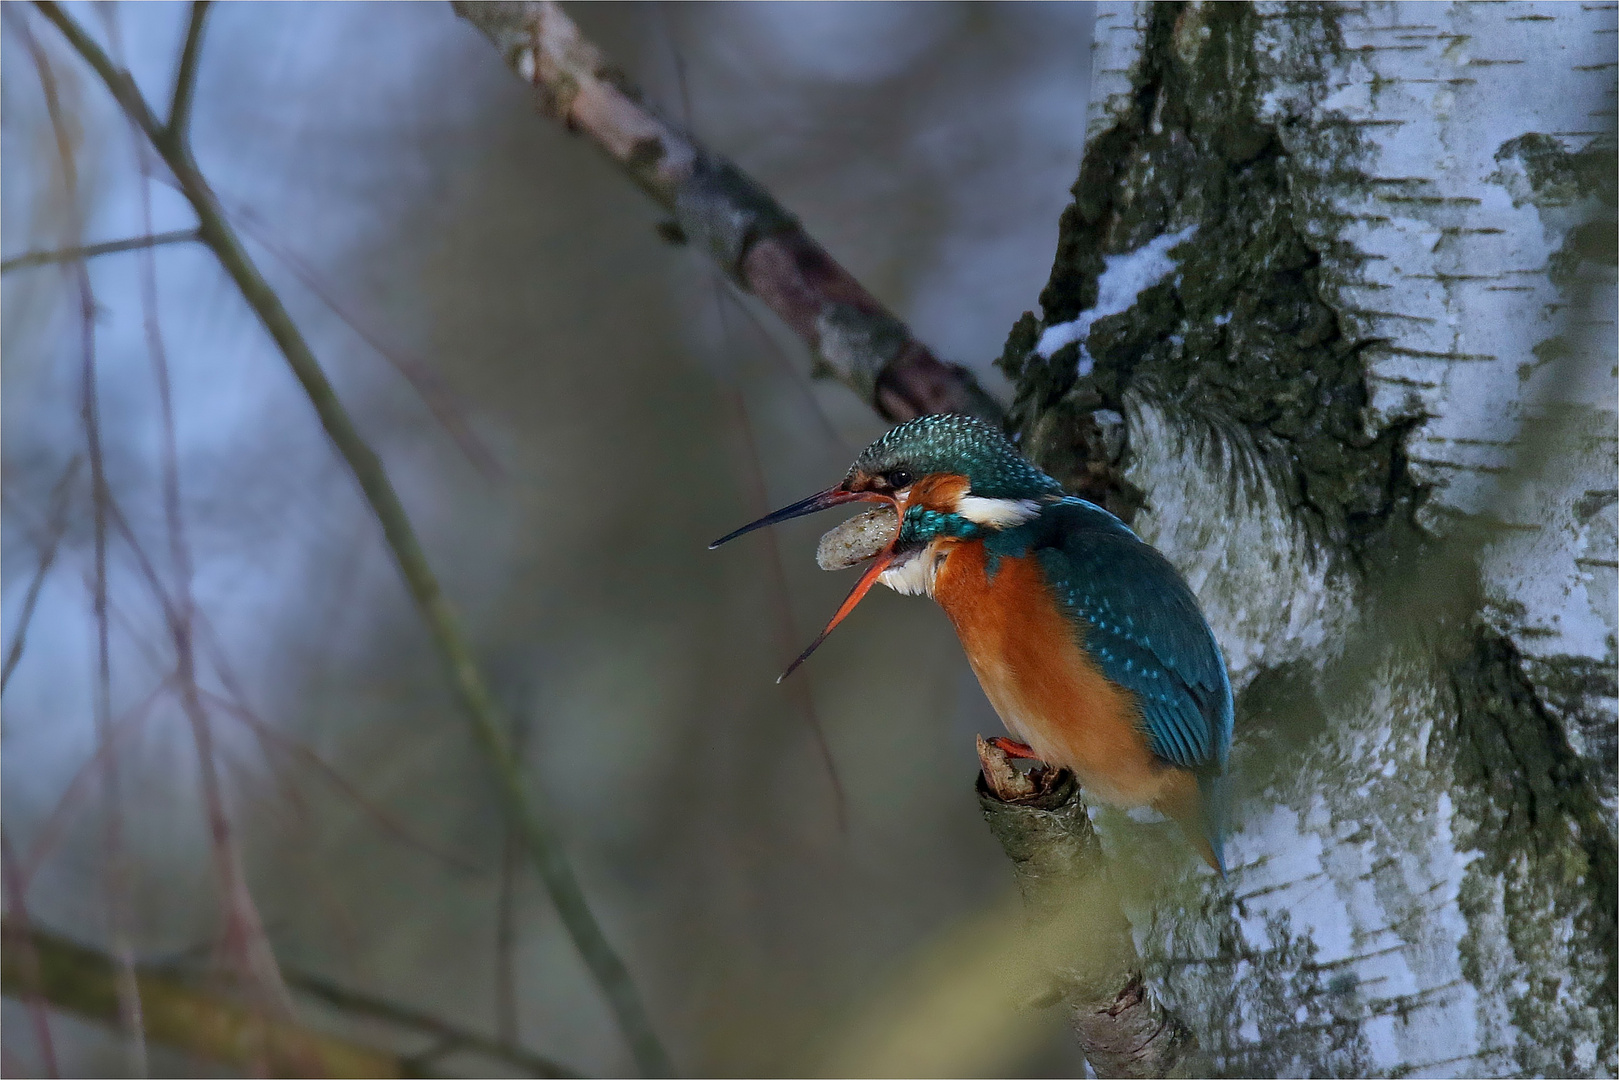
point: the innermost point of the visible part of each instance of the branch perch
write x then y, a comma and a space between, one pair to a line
1042, 824
533, 825
757, 243
187, 1017
83, 981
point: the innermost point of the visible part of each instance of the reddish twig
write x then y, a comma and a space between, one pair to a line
55, 526
236, 704
126, 725
758, 244
797, 377
506, 1025
517, 800
802, 694
786, 628
440, 400
812, 403
270, 738
114, 870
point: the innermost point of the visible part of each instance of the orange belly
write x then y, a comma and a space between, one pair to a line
1048, 692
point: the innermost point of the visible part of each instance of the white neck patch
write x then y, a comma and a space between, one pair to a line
996, 513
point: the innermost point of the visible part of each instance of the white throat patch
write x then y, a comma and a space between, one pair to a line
914, 574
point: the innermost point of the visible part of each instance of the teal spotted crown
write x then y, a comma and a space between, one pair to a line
963, 445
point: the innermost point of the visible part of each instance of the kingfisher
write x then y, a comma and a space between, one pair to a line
1086, 640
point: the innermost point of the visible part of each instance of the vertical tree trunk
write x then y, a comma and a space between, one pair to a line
1331, 321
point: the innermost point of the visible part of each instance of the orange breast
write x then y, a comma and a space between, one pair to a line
1048, 692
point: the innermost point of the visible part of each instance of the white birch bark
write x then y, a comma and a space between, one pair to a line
1426, 825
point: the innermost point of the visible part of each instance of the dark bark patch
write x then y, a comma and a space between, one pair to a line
1546, 847
1243, 329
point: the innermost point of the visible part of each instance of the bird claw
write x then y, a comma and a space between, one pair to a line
1003, 779
1012, 748
1032, 787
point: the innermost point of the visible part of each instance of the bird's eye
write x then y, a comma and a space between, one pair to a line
899, 478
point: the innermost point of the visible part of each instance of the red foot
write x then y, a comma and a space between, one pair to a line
1012, 748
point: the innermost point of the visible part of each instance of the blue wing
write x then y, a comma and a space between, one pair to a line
1140, 621
1142, 624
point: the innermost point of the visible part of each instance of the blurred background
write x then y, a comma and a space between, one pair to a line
599, 407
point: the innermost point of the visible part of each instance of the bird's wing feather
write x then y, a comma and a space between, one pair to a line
1143, 625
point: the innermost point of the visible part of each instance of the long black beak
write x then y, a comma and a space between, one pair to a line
822, 500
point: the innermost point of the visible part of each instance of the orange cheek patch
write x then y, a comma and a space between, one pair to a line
941, 491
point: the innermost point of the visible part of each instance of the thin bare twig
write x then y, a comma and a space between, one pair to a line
245, 938
802, 693
171, 492
56, 525
270, 738
441, 400
833, 436
538, 833
451, 1038
786, 631
429, 385
756, 242
677, 60
125, 726
179, 552
506, 1025
236, 704
90, 251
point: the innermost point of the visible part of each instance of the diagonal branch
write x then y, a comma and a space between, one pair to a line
90, 251
756, 242
185, 79
538, 833
197, 1021
82, 981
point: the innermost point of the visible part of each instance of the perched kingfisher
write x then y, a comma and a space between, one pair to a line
1086, 640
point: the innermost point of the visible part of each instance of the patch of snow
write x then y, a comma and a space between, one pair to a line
1124, 278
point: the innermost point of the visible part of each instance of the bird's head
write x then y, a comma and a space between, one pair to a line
946, 476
